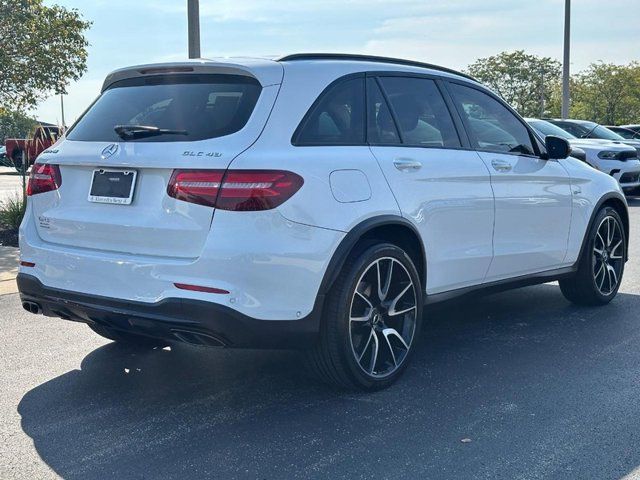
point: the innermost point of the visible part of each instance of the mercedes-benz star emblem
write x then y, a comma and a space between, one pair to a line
109, 150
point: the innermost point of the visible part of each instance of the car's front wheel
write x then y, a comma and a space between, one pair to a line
601, 266
371, 320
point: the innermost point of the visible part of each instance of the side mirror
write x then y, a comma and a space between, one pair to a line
557, 147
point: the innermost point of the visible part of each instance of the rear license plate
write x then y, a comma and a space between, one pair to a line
112, 186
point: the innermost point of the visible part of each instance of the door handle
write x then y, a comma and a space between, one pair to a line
406, 164
501, 165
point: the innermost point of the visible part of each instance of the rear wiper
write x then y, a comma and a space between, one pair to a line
127, 132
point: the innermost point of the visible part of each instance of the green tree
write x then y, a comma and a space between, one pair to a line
607, 93
527, 82
42, 49
14, 125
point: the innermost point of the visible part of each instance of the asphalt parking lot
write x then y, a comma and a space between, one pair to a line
10, 183
541, 388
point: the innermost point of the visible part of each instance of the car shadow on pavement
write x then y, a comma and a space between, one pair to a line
536, 387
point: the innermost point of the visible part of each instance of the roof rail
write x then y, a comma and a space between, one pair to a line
369, 58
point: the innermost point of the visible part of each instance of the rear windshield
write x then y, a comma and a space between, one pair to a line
193, 107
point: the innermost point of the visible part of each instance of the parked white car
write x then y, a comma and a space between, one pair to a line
316, 201
585, 129
614, 158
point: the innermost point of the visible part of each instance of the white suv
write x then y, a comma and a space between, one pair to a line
315, 201
614, 158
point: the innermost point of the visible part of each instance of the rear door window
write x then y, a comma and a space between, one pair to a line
337, 118
421, 113
199, 106
382, 128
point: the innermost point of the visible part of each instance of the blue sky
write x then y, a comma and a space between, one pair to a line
452, 33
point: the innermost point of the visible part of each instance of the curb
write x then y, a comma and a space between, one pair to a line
8, 287
9, 258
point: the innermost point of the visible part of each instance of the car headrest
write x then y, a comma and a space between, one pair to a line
407, 110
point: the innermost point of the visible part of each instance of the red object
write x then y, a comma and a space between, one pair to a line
28, 149
198, 288
43, 178
27, 264
237, 190
195, 186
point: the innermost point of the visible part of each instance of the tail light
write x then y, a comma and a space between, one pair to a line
43, 178
238, 190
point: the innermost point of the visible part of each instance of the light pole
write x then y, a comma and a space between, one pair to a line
566, 59
62, 109
542, 92
193, 20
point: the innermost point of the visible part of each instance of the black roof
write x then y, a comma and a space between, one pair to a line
369, 58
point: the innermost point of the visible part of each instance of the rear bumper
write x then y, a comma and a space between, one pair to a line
272, 268
174, 319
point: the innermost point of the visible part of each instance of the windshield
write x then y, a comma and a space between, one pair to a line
625, 133
546, 128
201, 106
604, 133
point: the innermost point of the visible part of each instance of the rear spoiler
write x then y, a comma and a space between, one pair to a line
266, 72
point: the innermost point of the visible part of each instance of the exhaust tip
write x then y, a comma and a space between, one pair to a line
197, 338
32, 307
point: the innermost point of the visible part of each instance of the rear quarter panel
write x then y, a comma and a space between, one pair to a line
316, 204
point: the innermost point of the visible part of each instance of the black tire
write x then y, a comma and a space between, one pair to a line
591, 285
334, 357
17, 158
128, 339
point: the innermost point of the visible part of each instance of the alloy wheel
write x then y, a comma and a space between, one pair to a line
382, 317
608, 255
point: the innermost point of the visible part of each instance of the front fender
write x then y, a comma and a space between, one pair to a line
591, 189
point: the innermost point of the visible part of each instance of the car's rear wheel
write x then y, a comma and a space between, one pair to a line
128, 339
371, 321
601, 266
